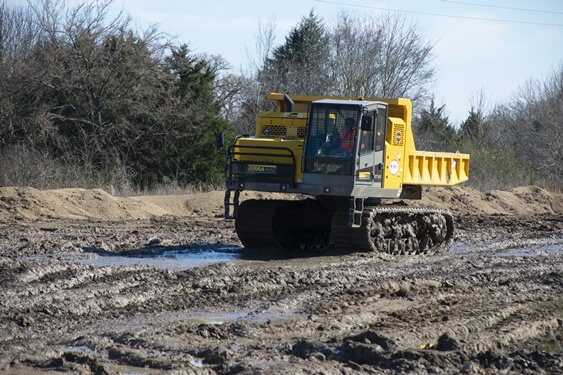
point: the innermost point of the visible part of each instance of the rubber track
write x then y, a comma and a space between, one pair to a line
395, 230
254, 223
387, 229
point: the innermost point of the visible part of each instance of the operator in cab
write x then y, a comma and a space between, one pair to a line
347, 136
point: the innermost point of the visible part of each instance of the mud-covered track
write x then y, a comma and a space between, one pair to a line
255, 222
307, 224
407, 230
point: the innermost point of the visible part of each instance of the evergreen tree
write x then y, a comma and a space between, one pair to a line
299, 65
432, 129
475, 128
194, 136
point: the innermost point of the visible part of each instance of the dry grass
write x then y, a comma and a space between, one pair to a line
171, 187
25, 166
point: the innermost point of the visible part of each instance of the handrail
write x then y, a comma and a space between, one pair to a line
291, 155
287, 153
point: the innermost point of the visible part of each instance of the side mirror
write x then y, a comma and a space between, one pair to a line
219, 140
367, 123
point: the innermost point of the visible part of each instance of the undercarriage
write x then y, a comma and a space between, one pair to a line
314, 224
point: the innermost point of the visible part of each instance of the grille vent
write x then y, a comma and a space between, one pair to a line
274, 131
398, 135
279, 131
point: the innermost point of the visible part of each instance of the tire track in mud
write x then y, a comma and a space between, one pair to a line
476, 318
357, 313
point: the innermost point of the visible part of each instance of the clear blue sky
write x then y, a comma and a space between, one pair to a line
475, 50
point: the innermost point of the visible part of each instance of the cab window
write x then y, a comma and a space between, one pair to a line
367, 133
380, 129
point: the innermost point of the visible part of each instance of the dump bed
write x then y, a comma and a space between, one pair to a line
436, 168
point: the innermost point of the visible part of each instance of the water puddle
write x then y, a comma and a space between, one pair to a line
200, 318
526, 248
82, 349
533, 251
171, 257
215, 319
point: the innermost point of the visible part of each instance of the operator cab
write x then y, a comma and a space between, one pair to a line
345, 139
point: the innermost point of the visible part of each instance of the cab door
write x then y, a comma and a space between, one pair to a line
366, 146
379, 134
371, 146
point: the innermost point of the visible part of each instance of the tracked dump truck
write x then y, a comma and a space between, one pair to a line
348, 159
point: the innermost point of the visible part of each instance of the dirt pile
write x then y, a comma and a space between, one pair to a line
80, 204
18, 204
521, 201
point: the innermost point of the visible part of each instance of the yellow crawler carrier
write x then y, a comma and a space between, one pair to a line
348, 155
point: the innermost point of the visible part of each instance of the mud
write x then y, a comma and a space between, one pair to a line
492, 305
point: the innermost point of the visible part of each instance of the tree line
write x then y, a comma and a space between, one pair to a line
87, 100
92, 96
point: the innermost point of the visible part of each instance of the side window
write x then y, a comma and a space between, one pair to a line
367, 133
380, 129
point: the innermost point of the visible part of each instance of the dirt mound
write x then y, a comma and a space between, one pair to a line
24, 203
75, 204
521, 201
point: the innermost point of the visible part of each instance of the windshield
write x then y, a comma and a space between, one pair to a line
331, 138
332, 130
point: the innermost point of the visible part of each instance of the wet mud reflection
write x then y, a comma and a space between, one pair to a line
175, 257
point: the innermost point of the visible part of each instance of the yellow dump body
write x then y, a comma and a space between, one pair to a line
403, 164
436, 168
416, 167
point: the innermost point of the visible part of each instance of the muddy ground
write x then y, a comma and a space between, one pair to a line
492, 305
